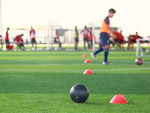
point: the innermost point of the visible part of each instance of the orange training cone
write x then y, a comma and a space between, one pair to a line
88, 72
118, 99
84, 56
87, 61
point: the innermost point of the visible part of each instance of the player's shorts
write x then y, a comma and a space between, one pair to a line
86, 39
104, 38
76, 39
33, 41
7, 41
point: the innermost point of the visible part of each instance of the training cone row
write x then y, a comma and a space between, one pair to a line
118, 99
87, 61
87, 72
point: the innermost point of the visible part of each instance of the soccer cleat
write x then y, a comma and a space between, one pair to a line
106, 63
93, 56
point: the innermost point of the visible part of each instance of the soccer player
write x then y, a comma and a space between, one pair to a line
115, 37
85, 33
91, 36
19, 41
32, 35
7, 39
120, 40
132, 40
57, 39
104, 37
76, 37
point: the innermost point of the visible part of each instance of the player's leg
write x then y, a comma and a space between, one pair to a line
75, 44
32, 43
91, 43
35, 44
77, 40
100, 48
84, 43
7, 44
106, 50
60, 44
88, 43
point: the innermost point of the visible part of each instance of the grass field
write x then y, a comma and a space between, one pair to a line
39, 82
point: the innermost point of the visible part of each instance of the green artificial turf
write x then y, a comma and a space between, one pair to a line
39, 82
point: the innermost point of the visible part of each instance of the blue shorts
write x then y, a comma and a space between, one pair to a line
104, 38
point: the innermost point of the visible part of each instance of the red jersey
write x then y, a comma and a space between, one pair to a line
91, 36
32, 33
135, 37
20, 40
116, 34
85, 33
120, 38
17, 37
7, 36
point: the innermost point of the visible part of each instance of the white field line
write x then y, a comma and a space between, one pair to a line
26, 70
100, 61
53, 64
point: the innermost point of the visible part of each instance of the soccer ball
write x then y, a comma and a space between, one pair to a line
139, 61
79, 93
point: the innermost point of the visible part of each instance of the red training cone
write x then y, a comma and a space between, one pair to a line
87, 61
87, 72
91, 49
118, 99
84, 56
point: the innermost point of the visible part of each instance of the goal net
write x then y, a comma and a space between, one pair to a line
143, 47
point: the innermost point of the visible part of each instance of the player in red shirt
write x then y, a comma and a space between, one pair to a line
57, 39
115, 37
32, 35
132, 40
7, 39
85, 33
120, 40
19, 41
91, 36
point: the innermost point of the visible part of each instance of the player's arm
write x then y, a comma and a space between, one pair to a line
30, 33
140, 37
81, 32
108, 27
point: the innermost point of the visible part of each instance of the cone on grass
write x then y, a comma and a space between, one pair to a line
87, 61
87, 72
91, 49
118, 99
84, 56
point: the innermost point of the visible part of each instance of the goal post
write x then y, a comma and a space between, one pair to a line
143, 47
